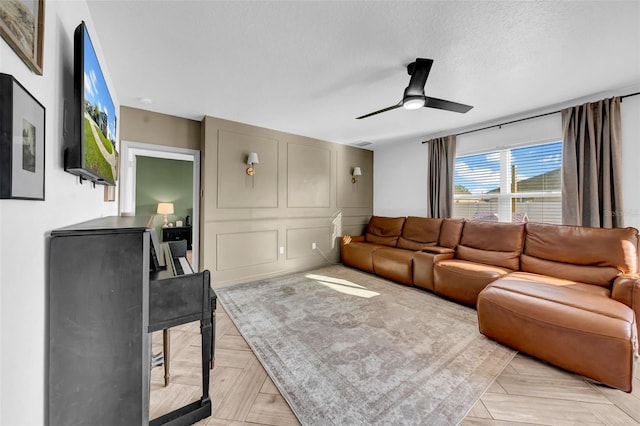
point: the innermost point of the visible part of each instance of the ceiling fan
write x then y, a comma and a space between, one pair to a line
414, 96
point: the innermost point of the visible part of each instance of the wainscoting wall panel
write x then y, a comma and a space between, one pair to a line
360, 193
354, 225
242, 249
299, 241
254, 230
308, 176
236, 189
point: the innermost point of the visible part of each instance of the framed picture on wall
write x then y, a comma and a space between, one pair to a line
22, 26
22, 124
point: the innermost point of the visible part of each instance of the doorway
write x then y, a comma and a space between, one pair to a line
128, 186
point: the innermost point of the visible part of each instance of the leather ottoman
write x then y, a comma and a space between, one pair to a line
582, 331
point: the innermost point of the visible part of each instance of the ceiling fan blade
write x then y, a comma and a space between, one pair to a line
382, 110
446, 105
419, 71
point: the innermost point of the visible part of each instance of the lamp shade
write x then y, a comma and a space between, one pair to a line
253, 158
357, 171
165, 208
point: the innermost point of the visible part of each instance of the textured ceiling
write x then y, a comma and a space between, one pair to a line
311, 67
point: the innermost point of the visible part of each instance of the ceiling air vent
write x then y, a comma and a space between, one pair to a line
362, 144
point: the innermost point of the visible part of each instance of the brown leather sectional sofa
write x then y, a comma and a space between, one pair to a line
568, 295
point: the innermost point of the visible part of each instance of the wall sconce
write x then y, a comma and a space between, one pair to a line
165, 209
356, 172
253, 159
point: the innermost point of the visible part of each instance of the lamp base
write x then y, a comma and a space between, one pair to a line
166, 223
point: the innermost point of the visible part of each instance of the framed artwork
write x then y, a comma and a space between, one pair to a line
22, 26
22, 124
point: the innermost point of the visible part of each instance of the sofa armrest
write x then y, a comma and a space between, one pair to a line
423, 262
348, 239
626, 289
438, 250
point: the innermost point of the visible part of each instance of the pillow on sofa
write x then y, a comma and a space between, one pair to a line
384, 230
419, 232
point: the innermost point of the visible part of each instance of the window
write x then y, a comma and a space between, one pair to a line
510, 185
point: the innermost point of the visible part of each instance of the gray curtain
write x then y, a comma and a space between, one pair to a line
442, 155
591, 165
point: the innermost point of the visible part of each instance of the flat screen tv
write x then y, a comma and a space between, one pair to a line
92, 153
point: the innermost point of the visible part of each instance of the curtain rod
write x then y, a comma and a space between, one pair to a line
526, 118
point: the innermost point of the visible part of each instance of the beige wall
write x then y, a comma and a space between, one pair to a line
137, 125
301, 193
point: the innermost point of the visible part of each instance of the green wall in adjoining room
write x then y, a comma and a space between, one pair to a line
160, 180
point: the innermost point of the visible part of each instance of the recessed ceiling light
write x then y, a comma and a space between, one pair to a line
145, 101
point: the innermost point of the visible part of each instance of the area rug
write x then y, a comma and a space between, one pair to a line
348, 348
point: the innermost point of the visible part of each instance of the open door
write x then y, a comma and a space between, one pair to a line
130, 151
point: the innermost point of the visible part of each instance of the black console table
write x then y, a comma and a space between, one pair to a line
177, 233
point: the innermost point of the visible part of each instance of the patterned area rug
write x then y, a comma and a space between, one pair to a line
348, 348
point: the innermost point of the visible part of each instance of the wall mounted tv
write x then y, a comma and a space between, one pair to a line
91, 153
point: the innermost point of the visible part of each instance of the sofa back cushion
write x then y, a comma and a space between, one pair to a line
579, 253
450, 233
596, 275
419, 232
492, 243
384, 230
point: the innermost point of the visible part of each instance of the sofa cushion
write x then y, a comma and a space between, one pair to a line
359, 255
559, 282
394, 264
616, 247
419, 232
594, 275
492, 243
450, 232
463, 281
581, 331
493, 236
594, 252
384, 230
504, 259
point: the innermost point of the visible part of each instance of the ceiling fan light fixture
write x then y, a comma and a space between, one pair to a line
413, 102
414, 96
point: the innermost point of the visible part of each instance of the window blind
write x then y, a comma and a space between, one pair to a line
510, 185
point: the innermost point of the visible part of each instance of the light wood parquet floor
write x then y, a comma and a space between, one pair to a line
528, 392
